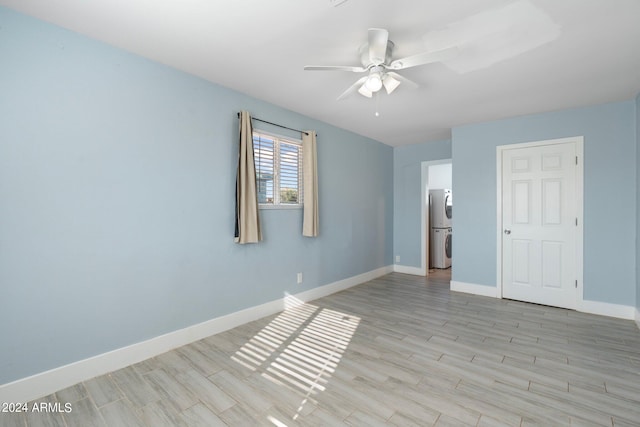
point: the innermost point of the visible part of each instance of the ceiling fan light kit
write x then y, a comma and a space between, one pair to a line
390, 83
362, 90
376, 58
374, 82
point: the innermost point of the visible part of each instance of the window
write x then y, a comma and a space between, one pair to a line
278, 170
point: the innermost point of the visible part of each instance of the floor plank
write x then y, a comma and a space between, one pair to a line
398, 350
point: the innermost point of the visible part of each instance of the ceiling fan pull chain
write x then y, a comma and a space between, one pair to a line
376, 96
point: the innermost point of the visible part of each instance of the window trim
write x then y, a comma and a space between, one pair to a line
276, 207
290, 140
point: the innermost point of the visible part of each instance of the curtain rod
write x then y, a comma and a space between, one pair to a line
275, 124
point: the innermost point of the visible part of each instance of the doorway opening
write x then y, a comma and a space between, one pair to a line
434, 175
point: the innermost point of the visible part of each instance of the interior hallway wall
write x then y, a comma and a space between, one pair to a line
440, 176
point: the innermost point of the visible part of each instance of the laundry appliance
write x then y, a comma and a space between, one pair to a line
441, 212
441, 202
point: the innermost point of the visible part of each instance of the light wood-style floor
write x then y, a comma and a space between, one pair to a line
399, 350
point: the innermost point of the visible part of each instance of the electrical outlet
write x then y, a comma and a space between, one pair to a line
299, 278
397, 259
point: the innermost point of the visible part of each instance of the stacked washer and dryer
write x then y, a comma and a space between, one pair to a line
441, 206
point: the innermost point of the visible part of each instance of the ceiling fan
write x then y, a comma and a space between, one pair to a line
377, 62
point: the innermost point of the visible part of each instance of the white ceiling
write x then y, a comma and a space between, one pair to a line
560, 54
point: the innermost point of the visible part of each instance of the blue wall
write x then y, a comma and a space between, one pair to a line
117, 180
407, 169
609, 198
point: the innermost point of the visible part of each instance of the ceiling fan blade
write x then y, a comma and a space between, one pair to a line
423, 58
354, 87
402, 79
378, 38
335, 68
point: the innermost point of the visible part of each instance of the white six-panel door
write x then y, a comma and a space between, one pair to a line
539, 224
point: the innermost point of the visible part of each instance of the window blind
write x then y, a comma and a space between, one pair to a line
278, 169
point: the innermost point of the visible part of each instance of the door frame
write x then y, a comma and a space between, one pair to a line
424, 213
579, 144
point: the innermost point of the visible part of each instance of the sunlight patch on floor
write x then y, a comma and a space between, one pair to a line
300, 349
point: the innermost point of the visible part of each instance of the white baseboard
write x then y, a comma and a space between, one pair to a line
340, 285
416, 271
607, 309
591, 307
45, 383
472, 288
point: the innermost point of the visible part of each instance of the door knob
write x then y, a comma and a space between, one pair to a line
507, 231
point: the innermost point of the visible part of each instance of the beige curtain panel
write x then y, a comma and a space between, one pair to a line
310, 222
247, 217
